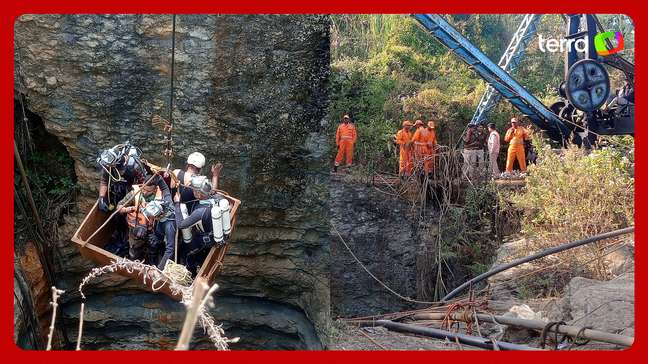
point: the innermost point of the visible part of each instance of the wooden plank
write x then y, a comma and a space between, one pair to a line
90, 223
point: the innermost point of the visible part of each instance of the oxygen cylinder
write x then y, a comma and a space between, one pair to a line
217, 222
186, 233
225, 208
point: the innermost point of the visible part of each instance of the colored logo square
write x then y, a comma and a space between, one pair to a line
601, 45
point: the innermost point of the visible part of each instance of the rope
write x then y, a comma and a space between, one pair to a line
168, 152
21, 81
373, 276
178, 273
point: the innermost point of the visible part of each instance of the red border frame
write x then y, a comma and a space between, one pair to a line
15, 8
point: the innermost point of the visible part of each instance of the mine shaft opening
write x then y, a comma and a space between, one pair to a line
48, 166
44, 162
47, 162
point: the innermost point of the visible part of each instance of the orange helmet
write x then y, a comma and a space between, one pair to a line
407, 123
418, 122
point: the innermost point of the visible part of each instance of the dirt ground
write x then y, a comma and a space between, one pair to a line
348, 337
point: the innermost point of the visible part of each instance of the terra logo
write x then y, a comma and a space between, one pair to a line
600, 44
601, 40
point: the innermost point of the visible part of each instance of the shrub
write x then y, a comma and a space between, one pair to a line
571, 195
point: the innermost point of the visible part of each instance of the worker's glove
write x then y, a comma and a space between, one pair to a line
102, 204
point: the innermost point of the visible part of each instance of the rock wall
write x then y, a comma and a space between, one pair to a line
136, 321
251, 92
27, 333
381, 232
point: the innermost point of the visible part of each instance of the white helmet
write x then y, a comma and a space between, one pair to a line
196, 159
201, 183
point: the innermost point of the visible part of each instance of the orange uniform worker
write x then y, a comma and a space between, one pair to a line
345, 139
432, 142
515, 136
424, 139
404, 140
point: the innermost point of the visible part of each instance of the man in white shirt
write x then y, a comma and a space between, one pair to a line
493, 148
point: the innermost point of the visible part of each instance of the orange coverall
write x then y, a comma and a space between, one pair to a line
424, 141
403, 138
345, 139
516, 137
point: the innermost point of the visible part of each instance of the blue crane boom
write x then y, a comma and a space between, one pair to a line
494, 75
508, 62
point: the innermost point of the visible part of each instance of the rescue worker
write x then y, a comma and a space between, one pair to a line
515, 136
199, 221
419, 143
121, 169
345, 139
195, 163
424, 140
473, 150
141, 225
162, 212
432, 146
493, 148
403, 139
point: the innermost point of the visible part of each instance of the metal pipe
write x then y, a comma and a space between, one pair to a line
476, 341
535, 256
539, 325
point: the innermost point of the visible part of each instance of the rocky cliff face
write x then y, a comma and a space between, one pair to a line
381, 232
250, 91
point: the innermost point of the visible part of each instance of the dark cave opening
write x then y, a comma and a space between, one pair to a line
49, 167
39, 212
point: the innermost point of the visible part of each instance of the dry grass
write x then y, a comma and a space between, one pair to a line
572, 195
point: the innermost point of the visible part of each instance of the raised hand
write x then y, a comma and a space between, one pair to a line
216, 168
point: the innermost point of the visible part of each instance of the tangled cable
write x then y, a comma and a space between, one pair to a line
178, 273
577, 340
468, 312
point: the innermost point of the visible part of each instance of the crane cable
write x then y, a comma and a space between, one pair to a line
175, 270
168, 152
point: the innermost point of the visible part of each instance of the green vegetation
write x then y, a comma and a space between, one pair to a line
386, 68
470, 232
572, 195
50, 173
